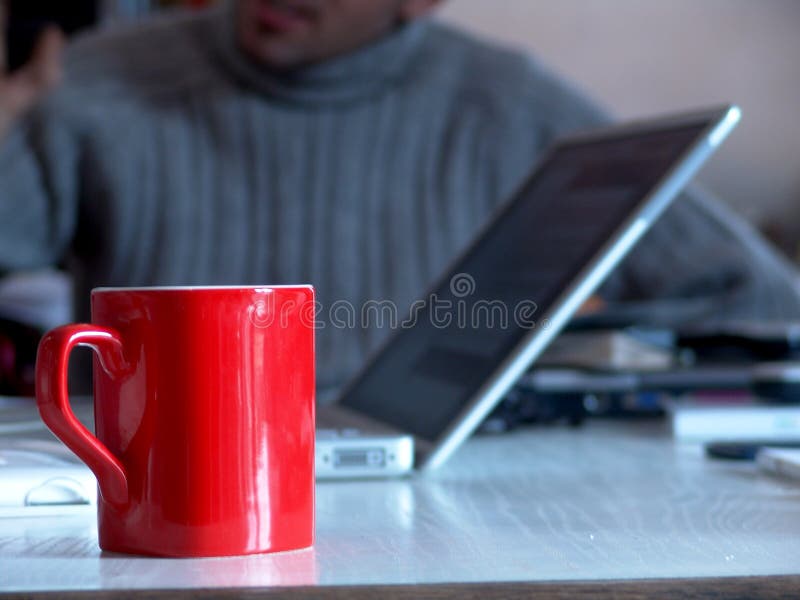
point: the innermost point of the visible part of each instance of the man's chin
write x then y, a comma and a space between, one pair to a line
278, 55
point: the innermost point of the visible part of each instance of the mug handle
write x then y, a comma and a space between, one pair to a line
52, 398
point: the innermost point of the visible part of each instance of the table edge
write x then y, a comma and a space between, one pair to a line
776, 586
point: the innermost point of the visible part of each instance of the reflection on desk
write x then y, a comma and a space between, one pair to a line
611, 501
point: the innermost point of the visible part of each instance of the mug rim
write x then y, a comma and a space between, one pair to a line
198, 288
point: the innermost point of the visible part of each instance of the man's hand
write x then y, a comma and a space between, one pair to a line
20, 90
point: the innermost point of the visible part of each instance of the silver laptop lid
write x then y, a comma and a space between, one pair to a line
539, 258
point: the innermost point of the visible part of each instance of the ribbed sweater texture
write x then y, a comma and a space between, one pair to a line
169, 158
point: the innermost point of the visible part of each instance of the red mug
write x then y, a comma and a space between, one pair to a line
204, 417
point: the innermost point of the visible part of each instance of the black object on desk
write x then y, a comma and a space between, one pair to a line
745, 450
743, 341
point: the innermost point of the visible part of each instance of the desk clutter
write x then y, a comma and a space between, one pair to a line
730, 381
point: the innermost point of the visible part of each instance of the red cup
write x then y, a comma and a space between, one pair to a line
204, 417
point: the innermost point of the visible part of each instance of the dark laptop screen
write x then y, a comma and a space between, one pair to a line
557, 223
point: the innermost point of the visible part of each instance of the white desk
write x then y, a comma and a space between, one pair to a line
609, 501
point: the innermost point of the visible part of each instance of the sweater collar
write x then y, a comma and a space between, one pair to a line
361, 73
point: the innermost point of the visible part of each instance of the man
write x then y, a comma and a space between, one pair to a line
351, 144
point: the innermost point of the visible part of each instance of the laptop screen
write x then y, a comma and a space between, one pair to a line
458, 335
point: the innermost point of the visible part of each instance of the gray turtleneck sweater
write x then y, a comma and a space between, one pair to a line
169, 158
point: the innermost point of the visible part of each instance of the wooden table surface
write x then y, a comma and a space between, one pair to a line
609, 508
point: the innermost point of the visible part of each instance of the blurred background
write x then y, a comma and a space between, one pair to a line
637, 57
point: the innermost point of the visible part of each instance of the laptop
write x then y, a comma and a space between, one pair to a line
490, 315
501, 302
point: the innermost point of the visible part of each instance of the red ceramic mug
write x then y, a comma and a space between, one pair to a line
204, 417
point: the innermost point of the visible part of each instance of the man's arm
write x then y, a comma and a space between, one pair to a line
34, 165
702, 262
22, 89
